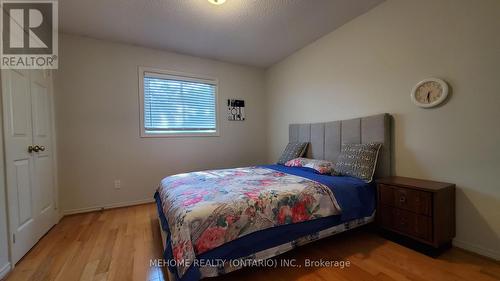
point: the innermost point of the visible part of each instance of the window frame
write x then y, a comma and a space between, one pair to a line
169, 74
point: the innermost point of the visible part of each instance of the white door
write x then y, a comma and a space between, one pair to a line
29, 170
43, 159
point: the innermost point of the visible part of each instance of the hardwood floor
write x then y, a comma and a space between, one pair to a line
118, 245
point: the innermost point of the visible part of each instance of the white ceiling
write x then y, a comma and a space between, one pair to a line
251, 32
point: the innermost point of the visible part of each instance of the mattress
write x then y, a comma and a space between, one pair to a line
355, 198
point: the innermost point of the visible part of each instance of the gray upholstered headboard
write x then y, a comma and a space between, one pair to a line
325, 139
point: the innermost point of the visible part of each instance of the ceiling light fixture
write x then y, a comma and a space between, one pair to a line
217, 2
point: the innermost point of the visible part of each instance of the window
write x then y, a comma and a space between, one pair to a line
177, 105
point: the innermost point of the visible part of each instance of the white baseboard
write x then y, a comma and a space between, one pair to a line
106, 206
4, 271
476, 249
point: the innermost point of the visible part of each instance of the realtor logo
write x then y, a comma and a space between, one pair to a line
29, 34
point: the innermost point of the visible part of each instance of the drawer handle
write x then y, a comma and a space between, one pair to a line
402, 199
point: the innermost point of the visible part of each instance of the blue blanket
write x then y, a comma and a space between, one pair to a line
355, 197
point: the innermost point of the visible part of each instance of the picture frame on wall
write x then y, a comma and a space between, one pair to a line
235, 110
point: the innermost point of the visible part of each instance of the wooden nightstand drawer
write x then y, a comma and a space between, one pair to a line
419, 202
406, 222
413, 224
386, 194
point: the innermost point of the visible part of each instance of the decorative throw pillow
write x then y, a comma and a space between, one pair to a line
358, 160
322, 166
293, 150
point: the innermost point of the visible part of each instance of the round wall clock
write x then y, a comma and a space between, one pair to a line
429, 92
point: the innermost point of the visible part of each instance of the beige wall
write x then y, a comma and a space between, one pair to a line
97, 109
369, 66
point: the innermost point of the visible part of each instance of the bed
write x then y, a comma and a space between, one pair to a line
210, 218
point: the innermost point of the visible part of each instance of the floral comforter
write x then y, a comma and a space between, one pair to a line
207, 209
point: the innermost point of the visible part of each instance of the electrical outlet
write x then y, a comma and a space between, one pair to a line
118, 184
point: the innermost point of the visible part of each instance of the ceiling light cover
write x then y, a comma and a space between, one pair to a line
217, 2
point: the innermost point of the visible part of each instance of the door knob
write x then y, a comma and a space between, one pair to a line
42, 148
34, 148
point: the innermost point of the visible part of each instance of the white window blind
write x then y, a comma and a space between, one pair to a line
179, 105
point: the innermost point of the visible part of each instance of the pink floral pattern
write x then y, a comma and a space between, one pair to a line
207, 209
322, 166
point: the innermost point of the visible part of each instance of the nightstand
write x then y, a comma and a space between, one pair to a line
421, 210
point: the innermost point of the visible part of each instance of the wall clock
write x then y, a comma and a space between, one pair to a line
429, 92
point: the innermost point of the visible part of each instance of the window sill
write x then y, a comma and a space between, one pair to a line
178, 135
